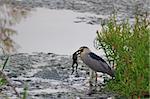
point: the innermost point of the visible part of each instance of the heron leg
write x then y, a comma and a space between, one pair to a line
96, 79
92, 87
91, 78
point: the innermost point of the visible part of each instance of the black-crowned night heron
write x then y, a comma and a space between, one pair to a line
94, 62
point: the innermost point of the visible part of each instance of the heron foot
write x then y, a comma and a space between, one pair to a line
91, 91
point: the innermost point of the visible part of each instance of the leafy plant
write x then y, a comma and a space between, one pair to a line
127, 47
2, 81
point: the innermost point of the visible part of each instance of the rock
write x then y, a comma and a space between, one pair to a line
48, 74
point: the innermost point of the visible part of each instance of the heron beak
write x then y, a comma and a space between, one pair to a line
78, 52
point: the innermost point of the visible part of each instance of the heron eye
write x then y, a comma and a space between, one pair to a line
82, 50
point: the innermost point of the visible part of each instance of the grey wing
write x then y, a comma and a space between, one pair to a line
99, 66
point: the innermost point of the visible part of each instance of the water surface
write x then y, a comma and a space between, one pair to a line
54, 31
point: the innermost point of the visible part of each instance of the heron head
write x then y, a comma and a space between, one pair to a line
83, 49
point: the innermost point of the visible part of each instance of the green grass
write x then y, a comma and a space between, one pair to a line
128, 47
3, 81
25, 93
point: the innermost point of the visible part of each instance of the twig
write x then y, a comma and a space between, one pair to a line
5, 63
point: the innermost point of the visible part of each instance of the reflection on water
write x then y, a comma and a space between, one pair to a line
9, 16
54, 31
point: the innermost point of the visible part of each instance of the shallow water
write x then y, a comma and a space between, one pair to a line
54, 31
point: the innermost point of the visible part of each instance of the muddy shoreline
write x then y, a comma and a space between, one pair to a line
48, 76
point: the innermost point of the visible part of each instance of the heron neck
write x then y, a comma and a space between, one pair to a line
84, 55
